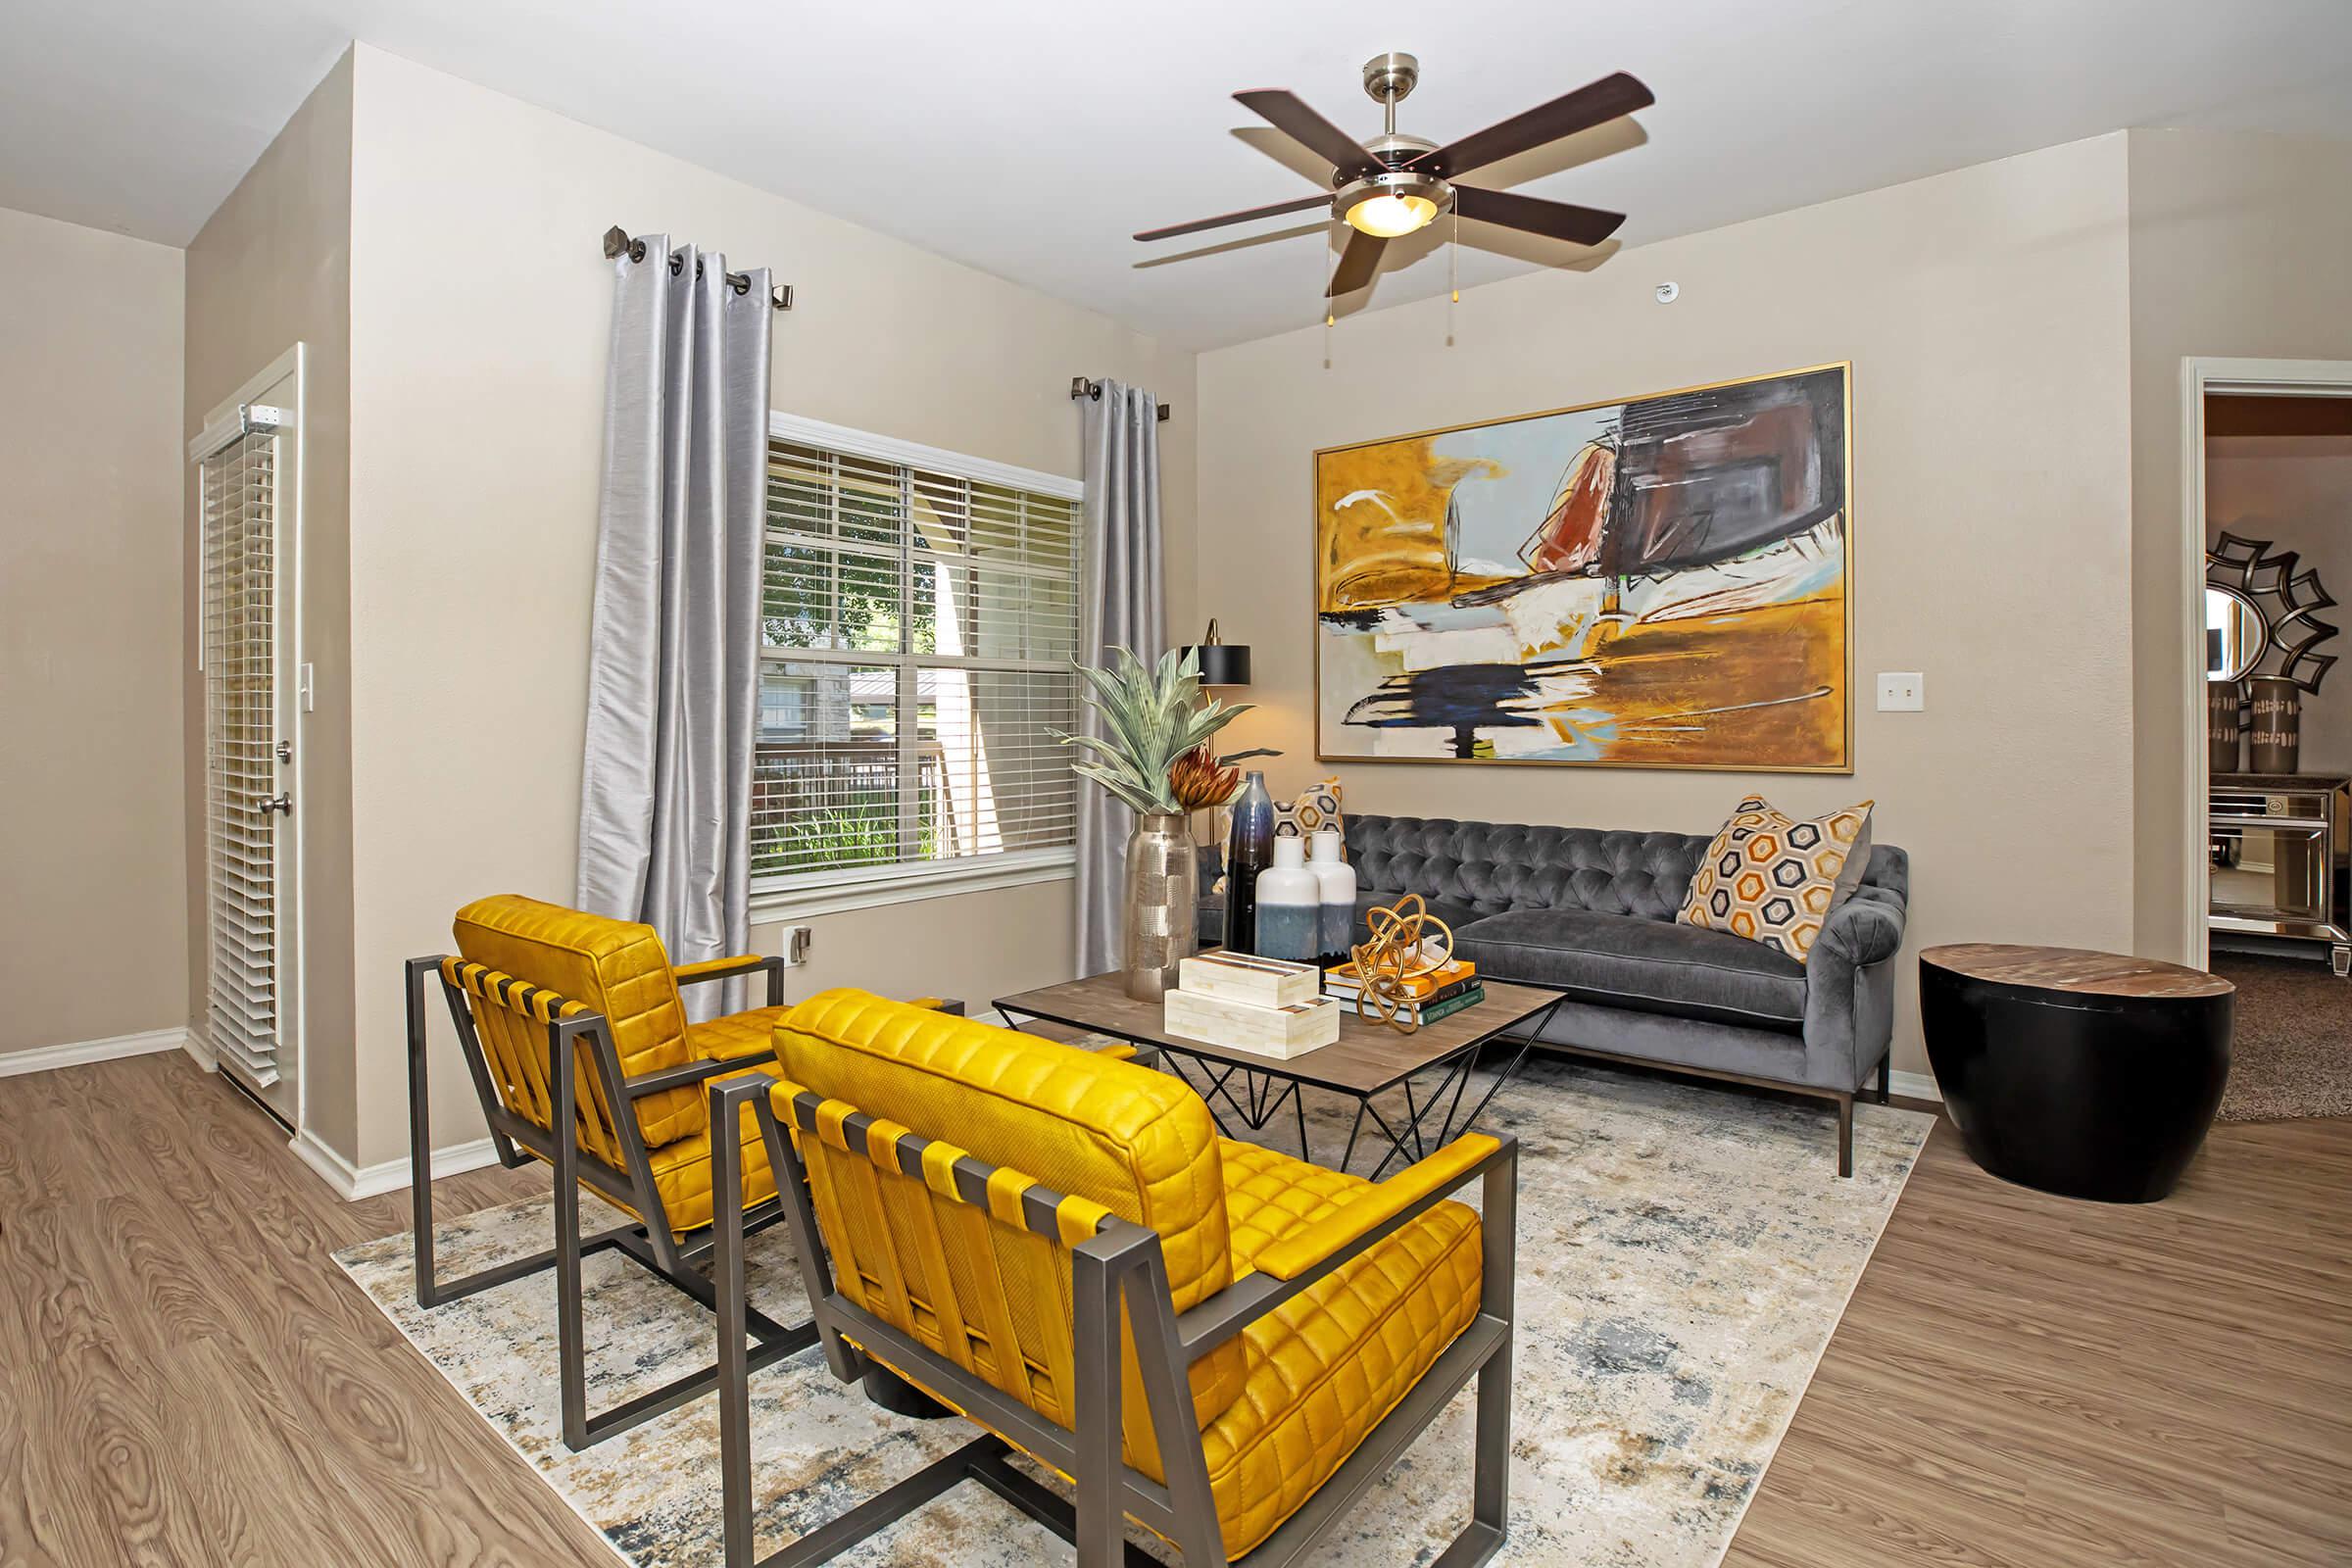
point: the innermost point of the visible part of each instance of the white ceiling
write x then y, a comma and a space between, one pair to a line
1031, 137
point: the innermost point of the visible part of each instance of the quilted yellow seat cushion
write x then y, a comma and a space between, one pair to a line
682, 1170
751, 1032
1327, 1364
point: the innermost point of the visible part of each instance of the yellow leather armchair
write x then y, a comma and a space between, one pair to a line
1215, 1340
575, 1036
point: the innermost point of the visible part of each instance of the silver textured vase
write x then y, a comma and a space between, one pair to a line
1163, 886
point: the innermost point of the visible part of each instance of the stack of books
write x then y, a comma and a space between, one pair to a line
1439, 994
1268, 1005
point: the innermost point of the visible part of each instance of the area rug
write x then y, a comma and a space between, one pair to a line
1685, 1254
2291, 1050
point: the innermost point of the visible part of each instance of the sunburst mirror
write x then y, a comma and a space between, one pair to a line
2261, 606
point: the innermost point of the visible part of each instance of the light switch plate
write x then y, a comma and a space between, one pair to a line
1902, 691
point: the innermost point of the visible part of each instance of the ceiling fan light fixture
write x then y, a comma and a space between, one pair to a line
1393, 203
1387, 216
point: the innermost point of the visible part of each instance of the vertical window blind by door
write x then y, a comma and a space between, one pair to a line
916, 638
237, 652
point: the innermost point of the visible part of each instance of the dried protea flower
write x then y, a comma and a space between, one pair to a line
1198, 782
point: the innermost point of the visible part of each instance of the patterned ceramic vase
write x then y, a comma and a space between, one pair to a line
2223, 700
2274, 738
1335, 881
1248, 852
1290, 905
1163, 888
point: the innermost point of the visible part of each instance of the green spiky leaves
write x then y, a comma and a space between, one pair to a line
1151, 715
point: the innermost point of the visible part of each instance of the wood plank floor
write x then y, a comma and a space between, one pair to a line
186, 1379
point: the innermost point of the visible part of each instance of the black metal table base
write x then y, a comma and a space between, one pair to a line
1265, 1091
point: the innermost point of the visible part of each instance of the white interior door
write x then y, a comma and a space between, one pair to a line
249, 471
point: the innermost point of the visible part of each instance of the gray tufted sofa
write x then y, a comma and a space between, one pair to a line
1592, 914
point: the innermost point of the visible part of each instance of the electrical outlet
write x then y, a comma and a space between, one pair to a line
796, 944
1902, 691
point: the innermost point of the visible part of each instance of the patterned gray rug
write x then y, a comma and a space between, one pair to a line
1685, 1254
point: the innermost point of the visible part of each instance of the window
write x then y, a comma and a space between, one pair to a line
918, 620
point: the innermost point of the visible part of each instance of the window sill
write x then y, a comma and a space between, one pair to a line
867, 888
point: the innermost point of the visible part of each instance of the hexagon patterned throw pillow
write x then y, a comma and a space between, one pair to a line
1773, 879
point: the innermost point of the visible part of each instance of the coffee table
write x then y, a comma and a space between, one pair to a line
1367, 1060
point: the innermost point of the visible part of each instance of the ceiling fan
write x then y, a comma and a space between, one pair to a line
1394, 185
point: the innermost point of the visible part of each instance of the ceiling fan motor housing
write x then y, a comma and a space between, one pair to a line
1389, 77
1386, 78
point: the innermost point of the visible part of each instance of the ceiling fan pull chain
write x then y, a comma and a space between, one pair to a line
1331, 307
1453, 277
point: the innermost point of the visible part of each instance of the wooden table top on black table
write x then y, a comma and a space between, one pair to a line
1368, 1058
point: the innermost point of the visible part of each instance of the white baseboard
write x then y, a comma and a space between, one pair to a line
1914, 1085
81, 1051
353, 1182
202, 1050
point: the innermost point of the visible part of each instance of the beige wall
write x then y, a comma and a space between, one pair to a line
94, 939
2296, 492
481, 307
1985, 314
272, 268
2241, 247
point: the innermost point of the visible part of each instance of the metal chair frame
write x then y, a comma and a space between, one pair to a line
1122, 1262
651, 1242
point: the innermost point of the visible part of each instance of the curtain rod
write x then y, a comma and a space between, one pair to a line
1081, 387
617, 242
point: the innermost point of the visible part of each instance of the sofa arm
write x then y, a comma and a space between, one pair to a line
1375, 1206
1863, 930
1849, 990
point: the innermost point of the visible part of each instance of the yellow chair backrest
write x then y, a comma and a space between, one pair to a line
977, 1287
616, 967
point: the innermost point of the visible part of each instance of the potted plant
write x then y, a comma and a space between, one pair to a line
1152, 716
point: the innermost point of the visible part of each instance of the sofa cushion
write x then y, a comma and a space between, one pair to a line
1652, 966
1493, 867
1773, 879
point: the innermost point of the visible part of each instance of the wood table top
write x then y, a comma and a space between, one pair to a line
2078, 970
1367, 1057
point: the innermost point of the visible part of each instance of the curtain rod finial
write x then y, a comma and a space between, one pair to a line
617, 240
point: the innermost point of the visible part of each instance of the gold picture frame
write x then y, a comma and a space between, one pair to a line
1627, 628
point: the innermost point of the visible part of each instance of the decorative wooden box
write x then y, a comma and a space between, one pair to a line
1245, 977
1281, 1032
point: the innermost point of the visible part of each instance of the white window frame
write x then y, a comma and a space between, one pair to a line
802, 894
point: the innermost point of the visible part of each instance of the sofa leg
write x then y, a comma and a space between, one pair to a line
1846, 1135
1887, 1078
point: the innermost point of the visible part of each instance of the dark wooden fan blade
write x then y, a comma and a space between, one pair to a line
1243, 217
1580, 226
1357, 263
1288, 113
1594, 104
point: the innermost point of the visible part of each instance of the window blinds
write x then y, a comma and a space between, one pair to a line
916, 639
237, 650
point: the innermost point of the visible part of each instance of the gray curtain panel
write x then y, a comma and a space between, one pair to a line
673, 671
1122, 604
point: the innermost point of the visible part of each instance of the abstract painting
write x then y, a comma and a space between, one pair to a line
1663, 582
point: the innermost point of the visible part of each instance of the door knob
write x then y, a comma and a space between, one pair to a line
275, 802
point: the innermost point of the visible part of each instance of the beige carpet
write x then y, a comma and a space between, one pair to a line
2291, 1054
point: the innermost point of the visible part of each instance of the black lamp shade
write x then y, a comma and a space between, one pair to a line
1222, 664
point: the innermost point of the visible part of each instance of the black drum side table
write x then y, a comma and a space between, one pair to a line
2087, 1075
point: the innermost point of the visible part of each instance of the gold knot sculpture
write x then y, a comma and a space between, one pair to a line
1387, 966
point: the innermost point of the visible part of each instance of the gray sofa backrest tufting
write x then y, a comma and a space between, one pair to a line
1491, 867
